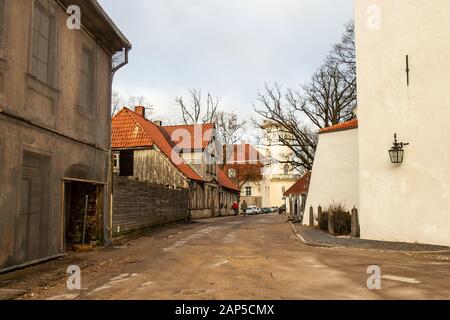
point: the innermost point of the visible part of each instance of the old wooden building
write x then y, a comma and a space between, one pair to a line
55, 98
199, 146
153, 185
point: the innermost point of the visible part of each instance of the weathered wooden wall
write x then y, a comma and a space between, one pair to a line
154, 167
139, 205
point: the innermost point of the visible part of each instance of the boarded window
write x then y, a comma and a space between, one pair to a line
43, 40
87, 79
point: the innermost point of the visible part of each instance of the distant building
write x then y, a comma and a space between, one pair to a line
244, 164
199, 146
297, 195
55, 89
278, 176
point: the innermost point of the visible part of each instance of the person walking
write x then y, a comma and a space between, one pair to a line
244, 207
235, 208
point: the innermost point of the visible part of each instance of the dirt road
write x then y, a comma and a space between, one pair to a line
254, 257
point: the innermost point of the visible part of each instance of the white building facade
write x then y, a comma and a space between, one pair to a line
277, 176
403, 59
334, 178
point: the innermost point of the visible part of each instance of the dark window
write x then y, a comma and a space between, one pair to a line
126, 160
248, 191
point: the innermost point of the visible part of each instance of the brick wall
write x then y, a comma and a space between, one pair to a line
139, 205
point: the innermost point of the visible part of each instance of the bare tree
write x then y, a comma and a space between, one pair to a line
116, 102
299, 139
131, 102
330, 97
230, 127
344, 53
196, 111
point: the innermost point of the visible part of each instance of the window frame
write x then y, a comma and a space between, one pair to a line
51, 10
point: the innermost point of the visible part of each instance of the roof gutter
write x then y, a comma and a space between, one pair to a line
124, 63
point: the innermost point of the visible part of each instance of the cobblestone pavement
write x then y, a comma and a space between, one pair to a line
237, 258
314, 236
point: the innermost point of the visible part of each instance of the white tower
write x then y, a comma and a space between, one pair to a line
278, 176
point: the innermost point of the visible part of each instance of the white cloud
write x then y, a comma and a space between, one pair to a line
230, 48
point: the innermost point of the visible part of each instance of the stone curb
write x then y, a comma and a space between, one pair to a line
319, 245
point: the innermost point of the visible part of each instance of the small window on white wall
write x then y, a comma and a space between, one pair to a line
116, 161
248, 191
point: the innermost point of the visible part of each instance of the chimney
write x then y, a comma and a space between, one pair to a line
140, 110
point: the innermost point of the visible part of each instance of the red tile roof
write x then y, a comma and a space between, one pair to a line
130, 130
241, 154
301, 186
226, 182
353, 124
199, 136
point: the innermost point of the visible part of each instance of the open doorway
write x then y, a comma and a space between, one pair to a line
83, 214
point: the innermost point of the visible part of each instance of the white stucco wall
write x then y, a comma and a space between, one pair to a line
408, 202
335, 172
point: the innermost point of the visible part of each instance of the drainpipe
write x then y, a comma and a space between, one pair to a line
110, 166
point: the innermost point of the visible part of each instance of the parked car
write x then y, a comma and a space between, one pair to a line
267, 210
275, 209
252, 210
282, 209
259, 210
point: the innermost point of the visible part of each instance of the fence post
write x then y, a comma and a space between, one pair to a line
356, 233
331, 230
311, 216
319, 215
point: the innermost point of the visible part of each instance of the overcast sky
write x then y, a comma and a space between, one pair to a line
228, 47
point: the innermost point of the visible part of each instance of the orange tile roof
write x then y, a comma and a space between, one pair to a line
130, 130
127, 132
224, 181
200, 135
301, 186
353, 124
242, 154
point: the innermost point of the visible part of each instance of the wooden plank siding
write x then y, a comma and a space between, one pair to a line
138, 205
